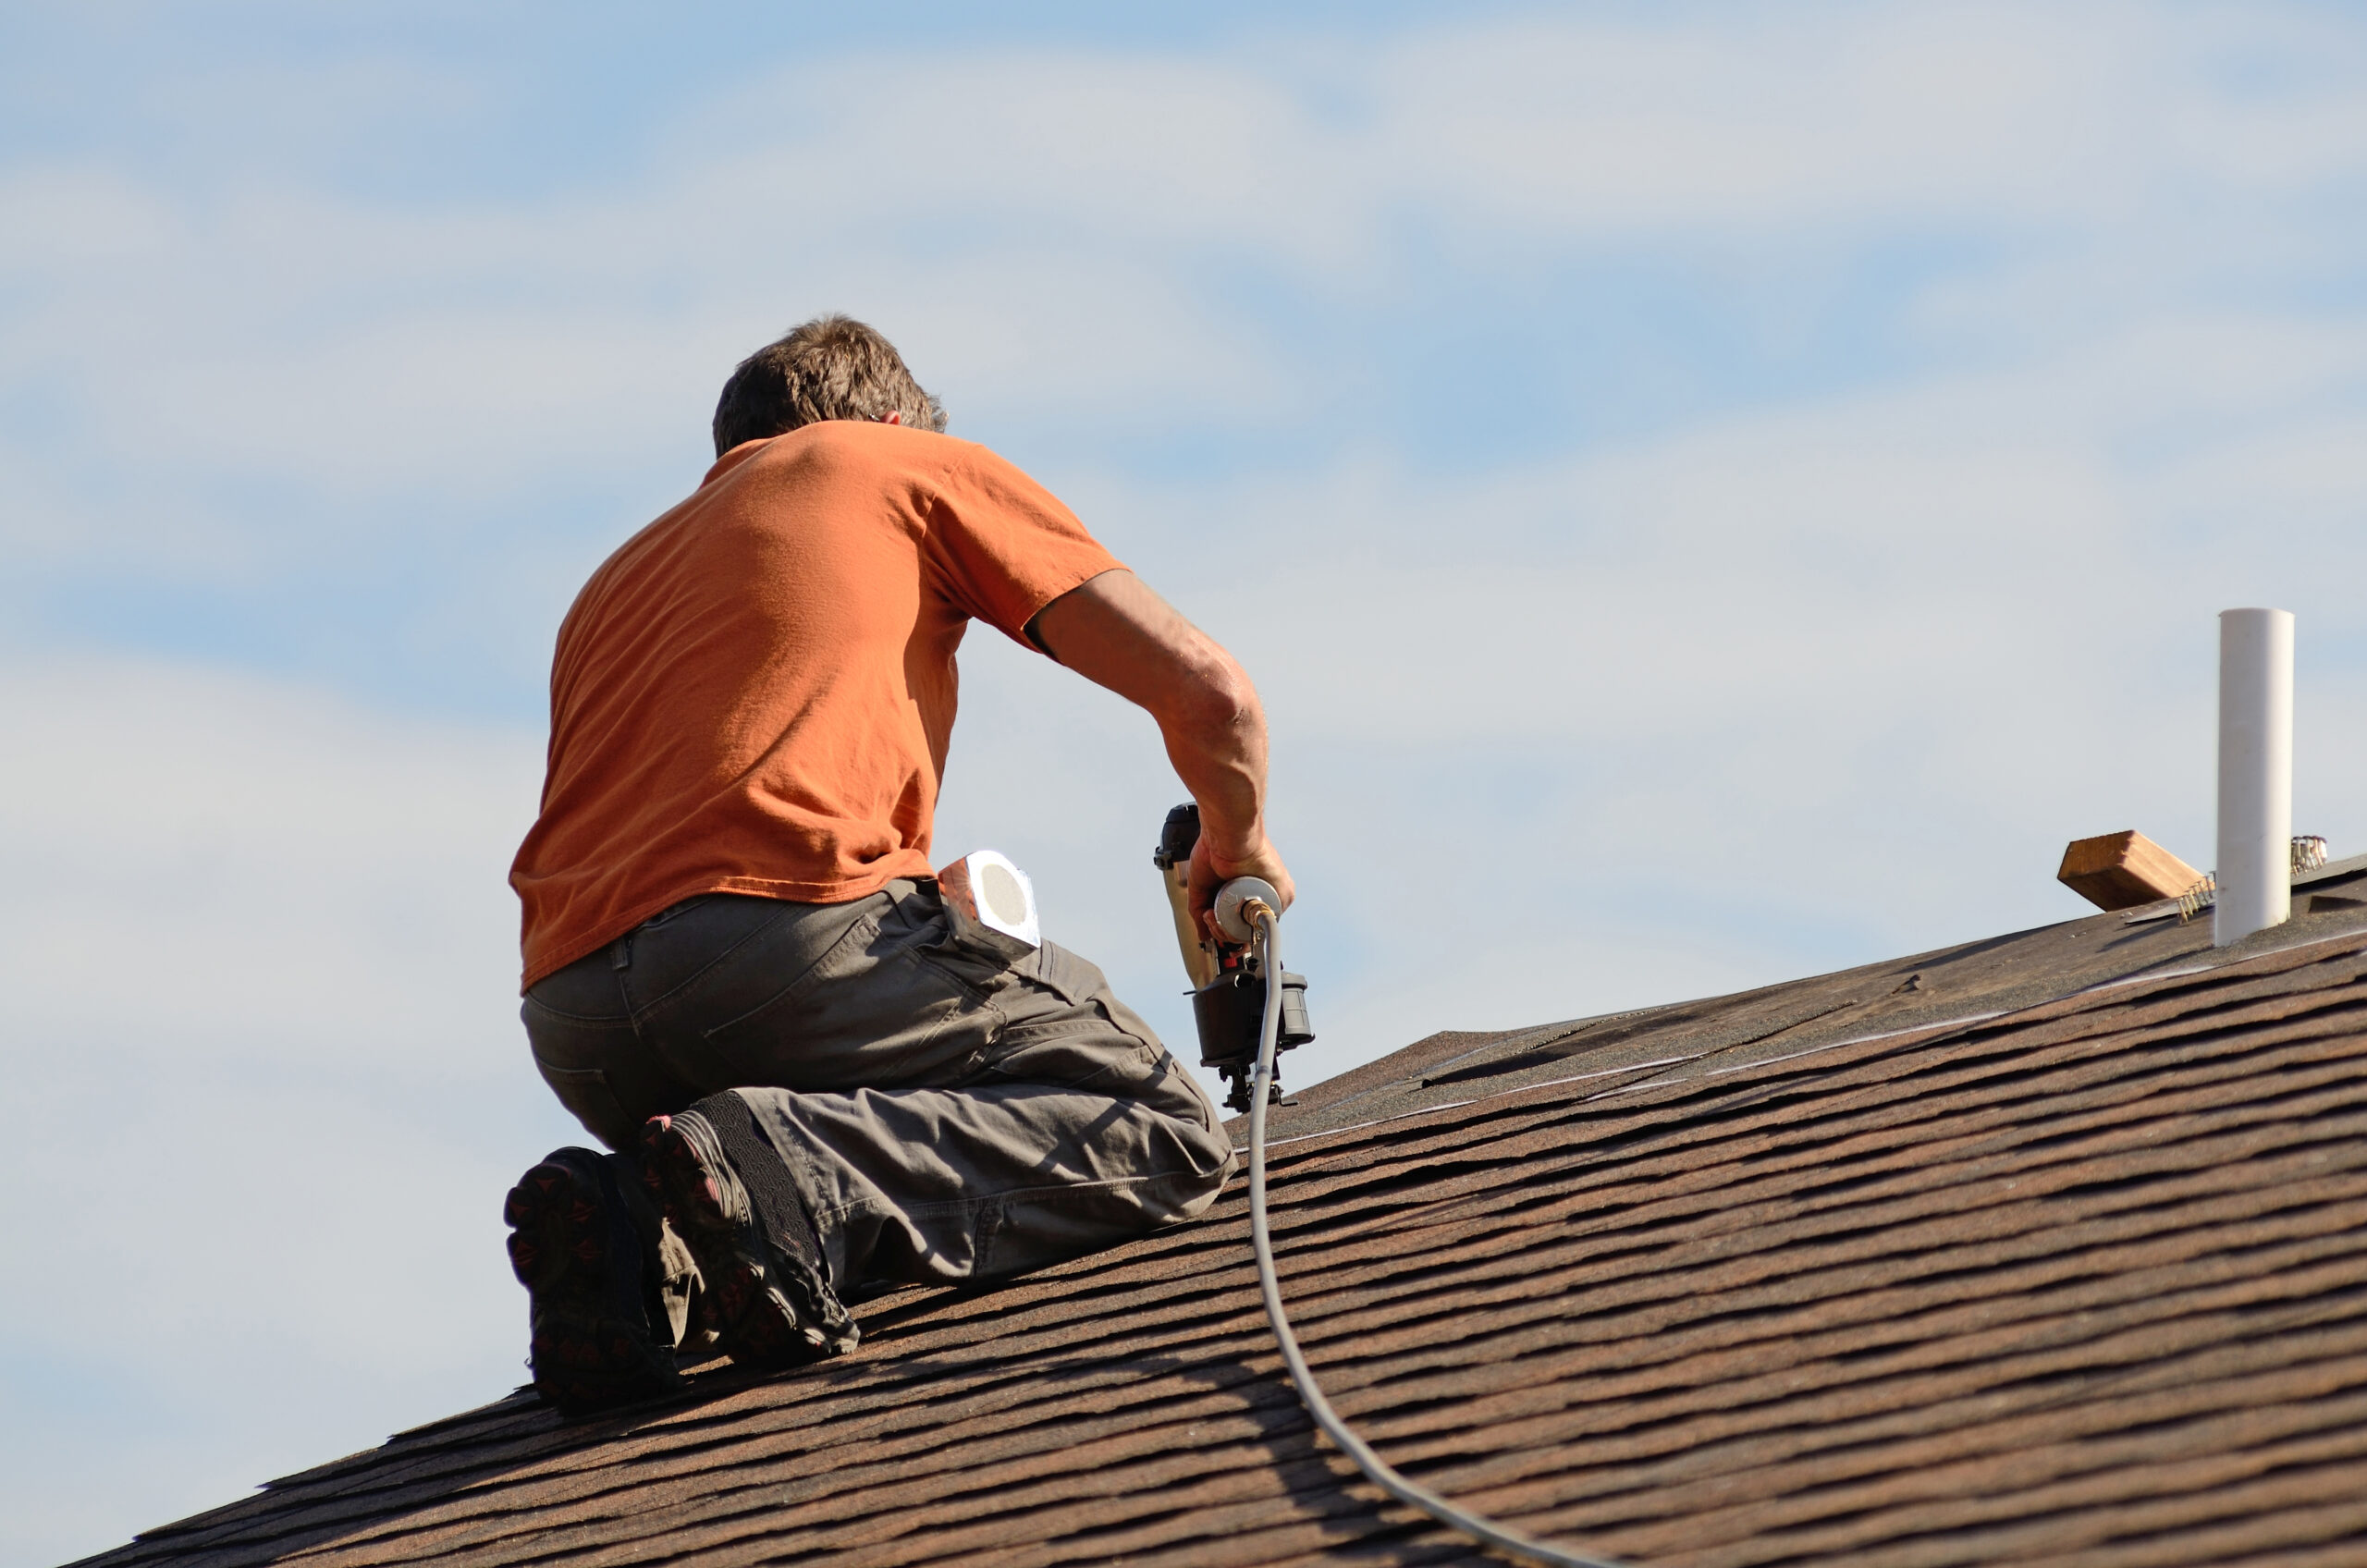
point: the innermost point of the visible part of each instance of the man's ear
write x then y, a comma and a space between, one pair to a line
893, 416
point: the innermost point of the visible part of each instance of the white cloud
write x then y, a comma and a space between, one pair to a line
272, 857
262, 1038
1047, 227
67, 216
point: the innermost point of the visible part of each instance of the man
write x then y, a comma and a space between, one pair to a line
739, 974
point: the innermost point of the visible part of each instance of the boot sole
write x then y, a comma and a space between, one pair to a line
753, 1320
585, 1358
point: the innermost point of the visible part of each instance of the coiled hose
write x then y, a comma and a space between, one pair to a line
1501, 1538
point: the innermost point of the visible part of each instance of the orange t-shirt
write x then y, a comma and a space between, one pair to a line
754, 694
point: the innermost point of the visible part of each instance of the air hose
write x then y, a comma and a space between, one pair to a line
1501, 1538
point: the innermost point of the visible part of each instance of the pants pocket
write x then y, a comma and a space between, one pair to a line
1084, 1054
1082, 991
586, 1093
875, 1009
1066, 1030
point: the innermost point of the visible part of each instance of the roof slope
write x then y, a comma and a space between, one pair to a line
2035, 1260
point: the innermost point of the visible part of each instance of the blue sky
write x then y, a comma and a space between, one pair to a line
1711, 495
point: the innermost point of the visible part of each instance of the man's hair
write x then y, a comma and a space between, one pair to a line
833, 367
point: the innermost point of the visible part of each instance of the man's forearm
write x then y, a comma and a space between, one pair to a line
1217, 742
1118, 634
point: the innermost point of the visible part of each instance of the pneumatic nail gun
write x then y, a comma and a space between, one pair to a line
1228, 993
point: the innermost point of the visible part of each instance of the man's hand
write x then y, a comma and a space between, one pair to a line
1211, 871
1116, 632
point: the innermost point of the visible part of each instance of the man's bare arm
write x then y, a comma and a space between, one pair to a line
1116, 632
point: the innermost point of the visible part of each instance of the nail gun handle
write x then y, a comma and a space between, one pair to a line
1173, 858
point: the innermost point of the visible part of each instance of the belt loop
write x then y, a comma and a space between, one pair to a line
621, 952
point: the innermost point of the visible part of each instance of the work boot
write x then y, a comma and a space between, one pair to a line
575, 1246
762, 1284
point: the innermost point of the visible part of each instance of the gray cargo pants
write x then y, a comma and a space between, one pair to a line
946, 1113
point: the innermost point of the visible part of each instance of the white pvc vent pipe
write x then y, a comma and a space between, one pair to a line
2255, 867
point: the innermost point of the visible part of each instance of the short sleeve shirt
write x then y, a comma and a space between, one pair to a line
754, 695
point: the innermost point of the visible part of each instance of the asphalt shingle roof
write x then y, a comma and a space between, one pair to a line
2050, 1248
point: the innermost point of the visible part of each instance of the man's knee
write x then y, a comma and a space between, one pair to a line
1198, 1155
